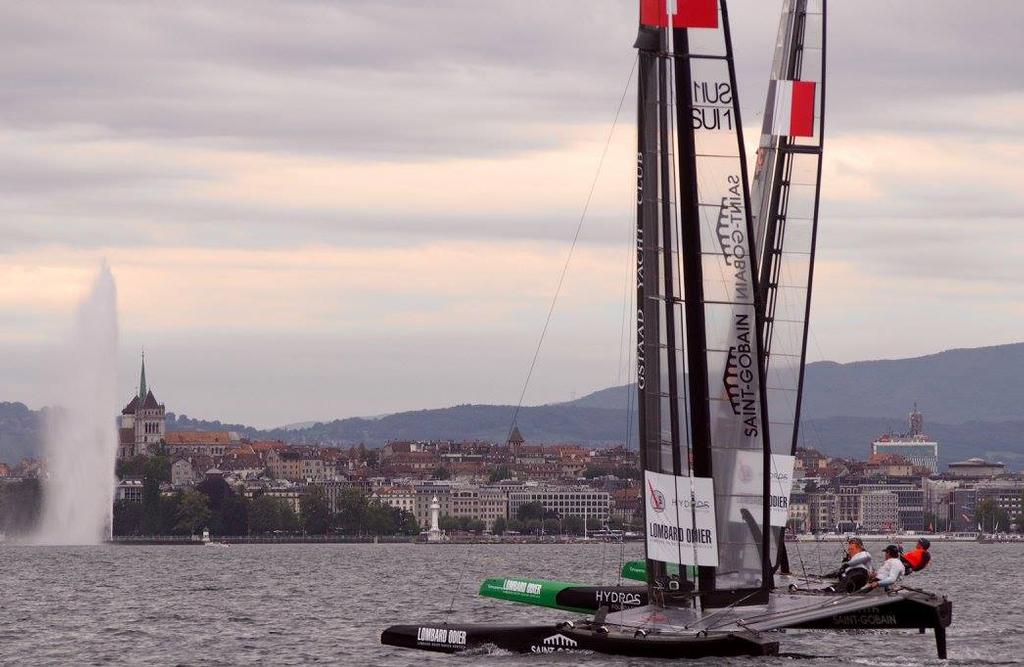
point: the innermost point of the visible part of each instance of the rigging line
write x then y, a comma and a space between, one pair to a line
625, 332
626, 300
572, 248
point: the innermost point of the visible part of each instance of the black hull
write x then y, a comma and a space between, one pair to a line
453, 638
915, 611
592, 598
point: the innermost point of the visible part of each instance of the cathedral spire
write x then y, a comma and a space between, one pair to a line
142, 379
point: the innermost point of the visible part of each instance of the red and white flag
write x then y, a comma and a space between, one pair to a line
685, 13
793, 104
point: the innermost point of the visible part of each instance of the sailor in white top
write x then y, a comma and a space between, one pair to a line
891, 571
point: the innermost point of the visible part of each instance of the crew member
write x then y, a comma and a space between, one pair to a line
918, 559
891, 571
853, 574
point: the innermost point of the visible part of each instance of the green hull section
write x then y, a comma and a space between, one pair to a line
565, 596
539, 592
637, 570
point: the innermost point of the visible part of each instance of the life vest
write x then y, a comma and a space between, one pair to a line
916, 560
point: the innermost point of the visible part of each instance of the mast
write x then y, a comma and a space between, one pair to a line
711, 400
648, 351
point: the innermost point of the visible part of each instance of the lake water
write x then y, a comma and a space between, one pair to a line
300, 604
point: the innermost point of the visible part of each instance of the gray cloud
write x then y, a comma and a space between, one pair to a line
412, 83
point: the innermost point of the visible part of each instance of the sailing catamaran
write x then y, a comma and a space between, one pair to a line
785, 188
704, 429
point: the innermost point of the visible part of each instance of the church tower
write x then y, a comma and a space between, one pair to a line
143, 421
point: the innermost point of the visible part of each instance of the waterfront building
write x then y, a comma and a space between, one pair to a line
821, 511
481, 503
799, 512
399, 497
1008, 495
425, 493
142, 424
937, 495
961, 509
976, 468
130, 489
909, 504
200, 443
879, 511
291, 494
564, 501
914, 446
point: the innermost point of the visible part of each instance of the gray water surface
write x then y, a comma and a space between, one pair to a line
327, 603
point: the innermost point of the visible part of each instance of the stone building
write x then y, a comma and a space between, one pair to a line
142, 425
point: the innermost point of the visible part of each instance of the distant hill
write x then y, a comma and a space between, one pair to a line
972, 400
953, 387
20, 432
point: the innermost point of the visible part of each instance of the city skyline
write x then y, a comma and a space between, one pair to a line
305, 226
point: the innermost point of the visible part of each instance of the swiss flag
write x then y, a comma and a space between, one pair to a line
793, 103
689, 13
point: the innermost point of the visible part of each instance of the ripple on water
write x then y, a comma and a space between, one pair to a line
302, 604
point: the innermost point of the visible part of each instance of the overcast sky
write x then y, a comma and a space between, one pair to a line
327, 209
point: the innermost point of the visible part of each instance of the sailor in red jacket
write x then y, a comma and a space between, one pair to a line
918, 559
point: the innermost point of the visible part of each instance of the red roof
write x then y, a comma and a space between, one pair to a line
198, 438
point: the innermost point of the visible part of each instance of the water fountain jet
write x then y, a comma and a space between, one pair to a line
81, 438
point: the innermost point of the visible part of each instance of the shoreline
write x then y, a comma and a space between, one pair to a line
339, 539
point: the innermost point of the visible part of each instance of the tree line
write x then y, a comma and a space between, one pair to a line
214, 505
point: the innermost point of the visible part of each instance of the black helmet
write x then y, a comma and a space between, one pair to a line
892, 550
924, 542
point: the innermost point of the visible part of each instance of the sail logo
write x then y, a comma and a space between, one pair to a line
732, 238
641, 362
560, 640
554, 644
739, 377
696, 504
657, 499
441, 636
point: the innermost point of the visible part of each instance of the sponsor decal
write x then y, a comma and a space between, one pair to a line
617, 598
871, 616
525, 587
641, 362
657, 498
681, 528
740, 374
781, 486
440, 637
740, 377
712, 106
688, 535
555, 644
